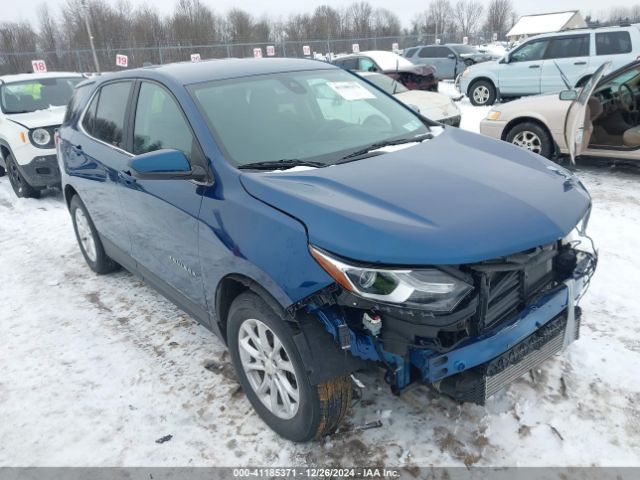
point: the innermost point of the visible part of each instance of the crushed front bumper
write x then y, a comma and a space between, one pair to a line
479, 366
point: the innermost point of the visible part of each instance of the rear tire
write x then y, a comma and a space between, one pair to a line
532, 137
20, 186
88, 239
266, 357
482, 93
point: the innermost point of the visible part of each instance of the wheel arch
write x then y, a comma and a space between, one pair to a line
69, 193
528, 119
228, 289
480, 79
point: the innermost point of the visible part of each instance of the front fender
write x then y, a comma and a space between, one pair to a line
240, 235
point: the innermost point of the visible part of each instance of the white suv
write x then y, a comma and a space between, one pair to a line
32, 106
532, 67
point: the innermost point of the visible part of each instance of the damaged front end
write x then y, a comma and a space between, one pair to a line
467, 330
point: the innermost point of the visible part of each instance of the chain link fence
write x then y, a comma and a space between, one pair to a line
81, 60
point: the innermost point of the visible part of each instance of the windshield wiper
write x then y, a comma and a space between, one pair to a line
281, 164
388, 143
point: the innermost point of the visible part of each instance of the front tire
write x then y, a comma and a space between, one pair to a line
481, 93
88, 239
274, 377
532, 137
20, 186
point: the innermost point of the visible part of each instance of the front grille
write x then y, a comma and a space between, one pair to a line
506, 287
504, 297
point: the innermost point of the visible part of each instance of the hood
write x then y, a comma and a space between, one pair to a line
458, 198
432, 105
547, 103
422, 70
51, 117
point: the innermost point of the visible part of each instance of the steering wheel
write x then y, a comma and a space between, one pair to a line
627, 99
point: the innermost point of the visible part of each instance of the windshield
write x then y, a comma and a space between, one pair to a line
388, 84
37, 94
317, 116
464, 49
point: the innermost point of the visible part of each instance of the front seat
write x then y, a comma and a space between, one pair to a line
631, 137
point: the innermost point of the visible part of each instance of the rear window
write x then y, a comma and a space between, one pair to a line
76, 102
611, 43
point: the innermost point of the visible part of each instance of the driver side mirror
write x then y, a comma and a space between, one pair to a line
451, 56
165, 164
568, 95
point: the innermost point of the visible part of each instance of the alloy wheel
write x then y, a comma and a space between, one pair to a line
481, 94
268, 368
85, 235
529, 140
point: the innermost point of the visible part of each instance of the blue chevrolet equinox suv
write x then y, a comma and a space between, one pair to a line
318, 239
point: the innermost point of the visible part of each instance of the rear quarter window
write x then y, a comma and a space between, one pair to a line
612, 43
76, 103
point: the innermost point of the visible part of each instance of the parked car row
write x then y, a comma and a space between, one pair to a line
304, 215
550, 63
601, 119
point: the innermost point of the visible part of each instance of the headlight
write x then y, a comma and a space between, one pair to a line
493, 115
41, 137
428, 288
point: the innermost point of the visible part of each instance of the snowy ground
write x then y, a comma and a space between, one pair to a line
94, 369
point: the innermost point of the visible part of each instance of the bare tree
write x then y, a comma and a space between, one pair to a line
499, 17
440, 15
467, 15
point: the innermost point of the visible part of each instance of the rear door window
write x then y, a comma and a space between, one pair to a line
426, 52
159, 123
434, 52
568, 46
107, 123
612, 43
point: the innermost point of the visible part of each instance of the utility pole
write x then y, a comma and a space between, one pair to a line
93, 47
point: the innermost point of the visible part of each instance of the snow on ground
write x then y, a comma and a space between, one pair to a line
95, 369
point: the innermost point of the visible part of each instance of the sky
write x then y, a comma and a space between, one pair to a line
405, 9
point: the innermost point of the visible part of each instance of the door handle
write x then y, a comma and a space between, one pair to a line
126, 177
580, 63
534, 66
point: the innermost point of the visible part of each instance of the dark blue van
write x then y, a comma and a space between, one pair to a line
318, 239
